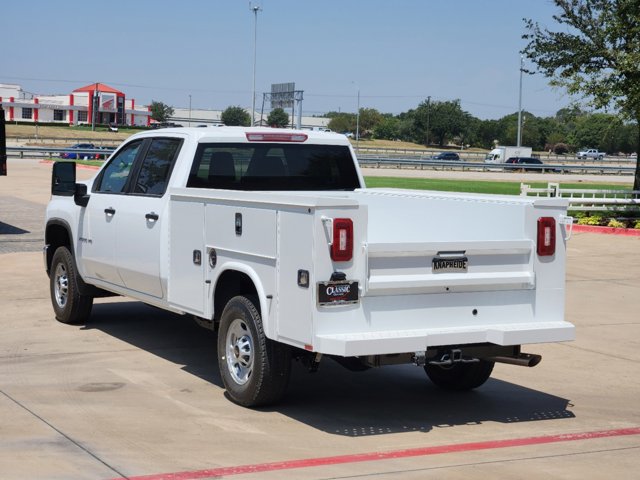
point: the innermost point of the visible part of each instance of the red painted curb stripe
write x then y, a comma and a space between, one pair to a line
629, 232
375, 456
78, 165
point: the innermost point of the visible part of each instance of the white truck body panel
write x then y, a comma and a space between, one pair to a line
508, 296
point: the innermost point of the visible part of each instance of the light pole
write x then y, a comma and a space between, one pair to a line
255, 9
357, 118
428, 115
189, 109
519, 140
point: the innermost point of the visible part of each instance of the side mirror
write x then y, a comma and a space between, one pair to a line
63, 179
63, 182
80, 197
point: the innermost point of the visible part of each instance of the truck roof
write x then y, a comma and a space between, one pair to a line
239, 135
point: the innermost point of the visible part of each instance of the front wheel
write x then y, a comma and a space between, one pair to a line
69, 305
460, 376
255, 370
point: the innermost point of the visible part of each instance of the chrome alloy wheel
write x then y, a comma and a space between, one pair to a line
61, 285
239, 353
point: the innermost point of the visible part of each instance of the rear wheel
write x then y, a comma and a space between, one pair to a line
460, 376
255, 370
68, 304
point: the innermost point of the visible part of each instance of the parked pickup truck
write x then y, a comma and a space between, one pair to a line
590, 153
271, 237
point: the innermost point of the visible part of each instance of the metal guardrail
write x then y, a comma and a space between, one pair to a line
587, 199
379, 161
61, 140
467, 155
47, 152
403, 163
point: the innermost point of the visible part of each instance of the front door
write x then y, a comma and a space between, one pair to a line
100, 219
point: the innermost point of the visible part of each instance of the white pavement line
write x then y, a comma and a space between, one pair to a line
60, 432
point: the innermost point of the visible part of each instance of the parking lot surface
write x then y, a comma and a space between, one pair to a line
135, 393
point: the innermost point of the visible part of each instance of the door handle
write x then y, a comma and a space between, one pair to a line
110, 211
152, 216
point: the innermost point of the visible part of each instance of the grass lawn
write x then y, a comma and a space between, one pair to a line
92, 163
79, 132
473, 186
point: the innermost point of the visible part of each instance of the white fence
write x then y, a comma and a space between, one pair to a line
588, 199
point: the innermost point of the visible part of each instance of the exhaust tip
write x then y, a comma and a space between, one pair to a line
522, 359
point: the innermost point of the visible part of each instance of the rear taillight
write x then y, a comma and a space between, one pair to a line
546, 236
342, 246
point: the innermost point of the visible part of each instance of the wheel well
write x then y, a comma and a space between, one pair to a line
230, 284
56, 236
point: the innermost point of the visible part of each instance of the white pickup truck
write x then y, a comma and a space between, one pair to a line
589, 153
271, 237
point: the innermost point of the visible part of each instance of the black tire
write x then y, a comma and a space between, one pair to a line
68, 304
255, 370
460, 376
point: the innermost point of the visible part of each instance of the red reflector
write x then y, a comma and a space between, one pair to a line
277, 137
342, 246
546, 236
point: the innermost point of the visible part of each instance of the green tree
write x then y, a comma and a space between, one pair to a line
440, 122
278, 118
343, 122
488, 132
160, 112
534, 130
236, 117
387, 129
627, 140
596, 54
596, 131
369, 119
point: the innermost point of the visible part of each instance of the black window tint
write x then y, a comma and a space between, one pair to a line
273, 167
156, 166
114, 176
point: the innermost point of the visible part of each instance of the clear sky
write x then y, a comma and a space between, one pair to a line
395, 52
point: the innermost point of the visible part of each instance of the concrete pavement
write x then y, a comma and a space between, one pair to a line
136, 391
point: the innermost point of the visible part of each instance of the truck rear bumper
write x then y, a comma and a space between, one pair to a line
403, 341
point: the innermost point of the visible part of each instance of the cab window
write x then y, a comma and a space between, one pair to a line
156, 167
285, 167
115, 175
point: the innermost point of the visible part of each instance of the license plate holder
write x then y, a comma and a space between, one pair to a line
338, 293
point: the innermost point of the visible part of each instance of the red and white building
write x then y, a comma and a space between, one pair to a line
110, 106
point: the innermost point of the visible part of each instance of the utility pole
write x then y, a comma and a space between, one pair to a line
189, 109
357, 117
428, 115
519, 140
95, 106
358, 123
255, 9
